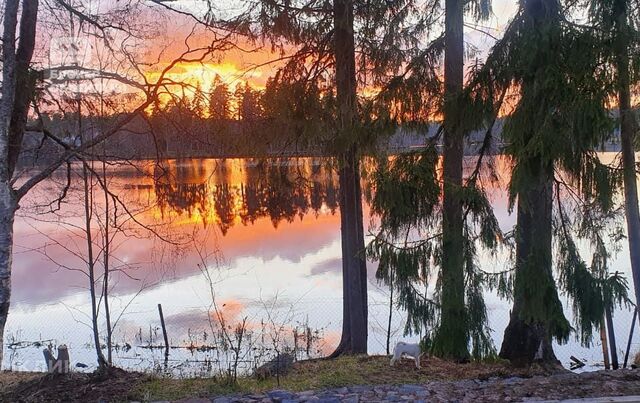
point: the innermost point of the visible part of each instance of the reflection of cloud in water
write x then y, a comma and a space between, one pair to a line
196, 319
333, 265
38, 280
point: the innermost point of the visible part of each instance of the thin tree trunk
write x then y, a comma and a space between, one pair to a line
91, 265
354, 325
452, 338
106, 254
390, 314
612, 338
605, 348
627, 136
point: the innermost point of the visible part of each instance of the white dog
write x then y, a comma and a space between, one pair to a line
402, 348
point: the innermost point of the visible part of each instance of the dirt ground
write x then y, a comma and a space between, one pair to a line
75, 387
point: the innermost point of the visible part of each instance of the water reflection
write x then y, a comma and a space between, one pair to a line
231, 192
275, 221
233, 206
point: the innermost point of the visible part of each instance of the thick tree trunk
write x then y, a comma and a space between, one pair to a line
627, 136
354, 271
528, 339
25, 81
537, 315
452, 338
8, 202
8, 207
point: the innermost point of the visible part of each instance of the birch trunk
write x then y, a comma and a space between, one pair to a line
8, 207
8, 201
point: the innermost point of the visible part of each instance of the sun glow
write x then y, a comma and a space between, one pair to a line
185, 79
204, 74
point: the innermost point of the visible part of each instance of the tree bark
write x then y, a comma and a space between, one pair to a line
8, 207
612, 338
354, 271
627, 137
106, 255
528, 339
8, 200
25, 81
452, 338
605, 348
537, 315
8, 83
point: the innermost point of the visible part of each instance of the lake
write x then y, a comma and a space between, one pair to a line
256, 243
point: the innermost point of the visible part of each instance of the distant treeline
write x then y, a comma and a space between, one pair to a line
183, 131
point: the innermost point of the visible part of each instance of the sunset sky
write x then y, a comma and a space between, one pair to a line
169, 34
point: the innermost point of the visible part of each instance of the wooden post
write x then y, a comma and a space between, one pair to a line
62, 361
633, 325
59, 365
164, 331
612, 338
605, 349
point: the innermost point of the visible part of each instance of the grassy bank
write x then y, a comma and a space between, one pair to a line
318, 374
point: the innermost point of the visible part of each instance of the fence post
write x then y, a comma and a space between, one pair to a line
164, 331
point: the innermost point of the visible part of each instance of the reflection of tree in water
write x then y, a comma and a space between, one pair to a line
182, 197
177, 188
224, 203
282, 191
272, 188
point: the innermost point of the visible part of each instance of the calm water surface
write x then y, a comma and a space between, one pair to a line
261, 238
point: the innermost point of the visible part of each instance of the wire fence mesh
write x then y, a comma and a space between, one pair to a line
209, 340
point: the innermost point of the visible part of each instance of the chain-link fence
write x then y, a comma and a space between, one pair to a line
239, 336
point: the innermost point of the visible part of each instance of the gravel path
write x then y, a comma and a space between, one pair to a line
554, 388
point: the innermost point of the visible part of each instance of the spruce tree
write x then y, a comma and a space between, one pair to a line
219, 100
616, 22
419, 238
558, 121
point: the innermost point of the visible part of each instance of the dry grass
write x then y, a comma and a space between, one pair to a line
315, 374
319, 374
9, 379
